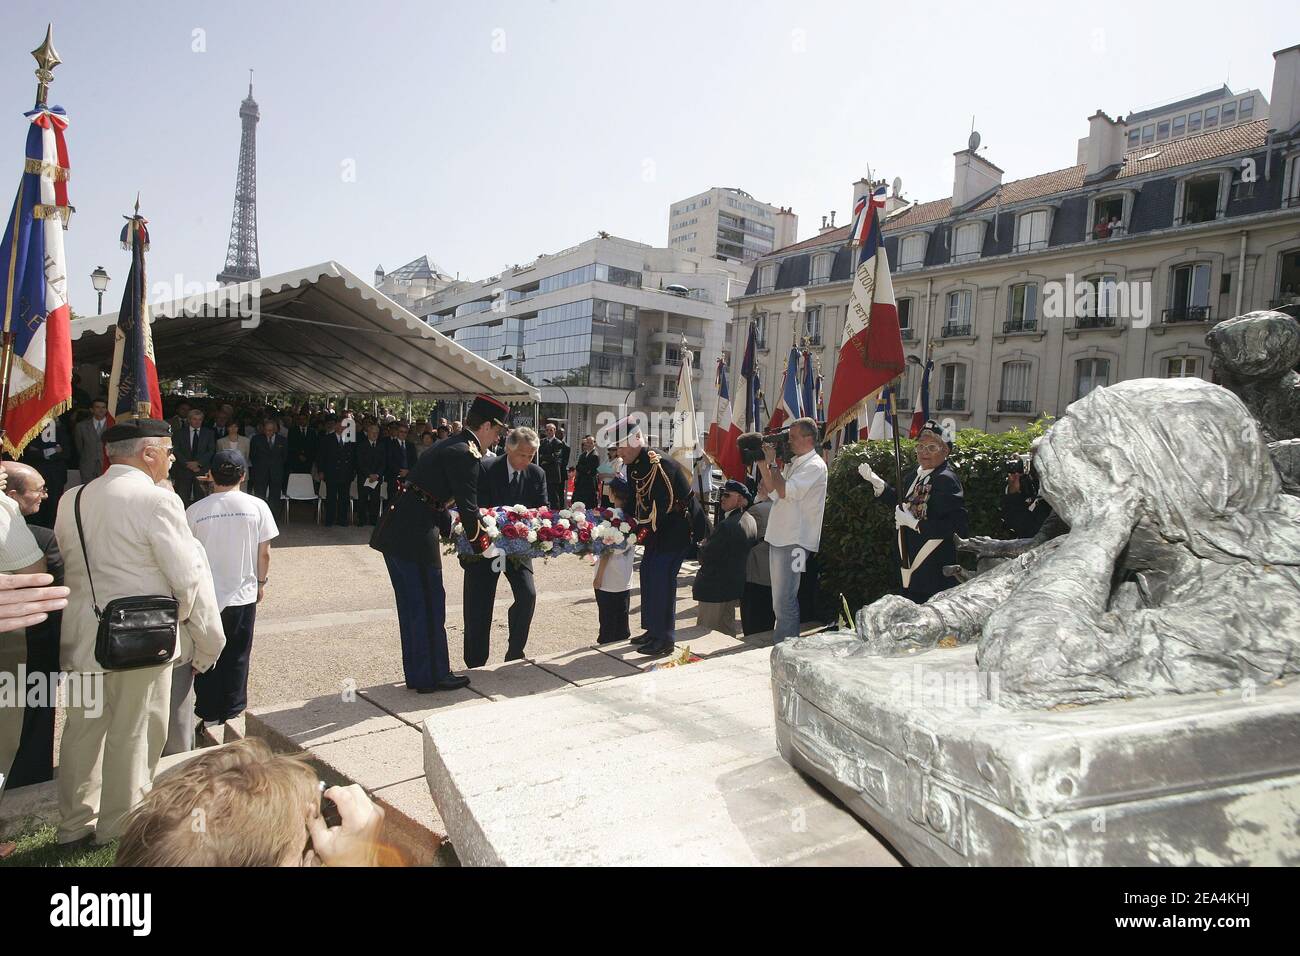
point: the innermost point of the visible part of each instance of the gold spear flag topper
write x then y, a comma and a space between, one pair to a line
47, 58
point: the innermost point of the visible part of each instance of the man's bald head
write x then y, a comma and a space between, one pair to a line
25, 485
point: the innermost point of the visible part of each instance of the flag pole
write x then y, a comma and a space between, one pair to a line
898, 450
47, 58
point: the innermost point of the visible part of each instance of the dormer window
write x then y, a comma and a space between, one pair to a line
1108, 216
967, 241
821, 268
767, 277
1198, 199
911, 251
1032, 229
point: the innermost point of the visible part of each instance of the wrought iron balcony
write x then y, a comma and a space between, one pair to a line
1187, 313
1011, 326
953, 403
1095, 322
956, 331
1015, 405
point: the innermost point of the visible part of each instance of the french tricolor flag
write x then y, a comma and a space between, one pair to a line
723, 449
871, 350
133, 383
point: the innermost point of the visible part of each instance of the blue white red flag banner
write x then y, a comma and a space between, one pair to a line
871, 350
790, 405
727, 428
807, 384
863, 211
133, 384
882, 426
922, 413
37, 317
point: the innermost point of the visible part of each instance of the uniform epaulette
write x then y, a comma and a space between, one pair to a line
473, 450
653, 456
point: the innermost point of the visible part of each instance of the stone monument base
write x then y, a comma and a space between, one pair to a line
920, 749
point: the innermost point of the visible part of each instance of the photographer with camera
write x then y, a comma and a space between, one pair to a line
1023, 508
929, 517
794, 479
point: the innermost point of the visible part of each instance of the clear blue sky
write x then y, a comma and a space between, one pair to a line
594, 115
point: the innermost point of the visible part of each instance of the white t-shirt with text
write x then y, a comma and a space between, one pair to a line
231, 525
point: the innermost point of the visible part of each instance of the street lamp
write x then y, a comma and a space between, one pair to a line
99, 279
567, 423
628, 396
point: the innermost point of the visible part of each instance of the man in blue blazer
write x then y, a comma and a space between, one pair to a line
511, 479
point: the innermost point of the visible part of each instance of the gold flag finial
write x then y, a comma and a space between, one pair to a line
47, 58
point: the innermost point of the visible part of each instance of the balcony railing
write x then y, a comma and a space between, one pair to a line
953, 403
1011, 326
1187, 313
909, 335
956, 331
1095, 322
1015, 405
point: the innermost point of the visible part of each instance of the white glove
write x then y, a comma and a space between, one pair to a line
877, 483
491, 551
905, 519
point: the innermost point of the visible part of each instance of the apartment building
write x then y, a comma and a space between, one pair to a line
1035, 291
729, 224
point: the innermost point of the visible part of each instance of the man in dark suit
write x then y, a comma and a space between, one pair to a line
409, 539
336, 461
720, 582
553, 456
49, 456
194, 448
584, 473
401, 454
90, 442
302, 439
510, 479
372, 469
268, 459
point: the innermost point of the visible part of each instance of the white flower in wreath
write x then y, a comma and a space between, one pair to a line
546, 522
624, 527
518, 509
489, 521
458, 528
547, 545
563, 522
566, 513
532, 537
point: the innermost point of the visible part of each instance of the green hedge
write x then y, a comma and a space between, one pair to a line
858, 556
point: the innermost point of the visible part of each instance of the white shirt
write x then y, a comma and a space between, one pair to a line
618, 569
231, 525
797, 518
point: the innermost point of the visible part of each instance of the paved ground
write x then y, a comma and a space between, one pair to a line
328, 615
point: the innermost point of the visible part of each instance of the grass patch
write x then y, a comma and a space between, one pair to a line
39, 848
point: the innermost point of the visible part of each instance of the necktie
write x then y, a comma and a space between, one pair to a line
516, 489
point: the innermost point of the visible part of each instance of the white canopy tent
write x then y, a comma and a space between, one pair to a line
318, 330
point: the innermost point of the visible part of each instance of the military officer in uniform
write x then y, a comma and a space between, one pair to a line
408, 537
663, 508
932, 513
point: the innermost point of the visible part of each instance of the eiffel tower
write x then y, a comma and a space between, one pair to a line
241, 254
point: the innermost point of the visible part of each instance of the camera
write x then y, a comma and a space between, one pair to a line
781, 441
1018, 465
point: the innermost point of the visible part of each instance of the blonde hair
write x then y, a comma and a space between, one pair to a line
236, 805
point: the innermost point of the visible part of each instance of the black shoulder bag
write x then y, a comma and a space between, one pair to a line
133, 631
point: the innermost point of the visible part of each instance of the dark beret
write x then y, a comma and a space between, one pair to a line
137, 428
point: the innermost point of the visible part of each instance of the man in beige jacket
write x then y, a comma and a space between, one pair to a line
139, 544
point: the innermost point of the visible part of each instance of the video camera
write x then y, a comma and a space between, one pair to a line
751, 446
1018, 465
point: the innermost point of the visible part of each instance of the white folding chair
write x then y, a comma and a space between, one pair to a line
300, 488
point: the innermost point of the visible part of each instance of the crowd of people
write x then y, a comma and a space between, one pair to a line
188, 507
